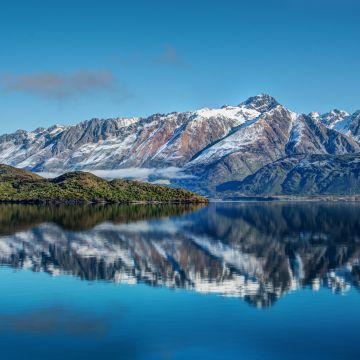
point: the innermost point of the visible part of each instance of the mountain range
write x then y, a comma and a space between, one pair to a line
216, 152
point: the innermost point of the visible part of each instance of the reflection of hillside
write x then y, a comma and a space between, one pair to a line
16, 217
254, 251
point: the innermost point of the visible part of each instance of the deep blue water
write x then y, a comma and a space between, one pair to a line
227, 281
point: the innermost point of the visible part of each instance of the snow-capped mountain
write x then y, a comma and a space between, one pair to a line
342, 121
202, 148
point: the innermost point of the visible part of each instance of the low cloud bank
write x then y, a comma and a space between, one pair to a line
159, 176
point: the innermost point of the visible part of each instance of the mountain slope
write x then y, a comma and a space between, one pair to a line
302, 175
273, 135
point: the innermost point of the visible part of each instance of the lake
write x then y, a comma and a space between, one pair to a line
223, 281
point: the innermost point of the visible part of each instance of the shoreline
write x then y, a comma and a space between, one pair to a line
101, 202
292, 198
206, 201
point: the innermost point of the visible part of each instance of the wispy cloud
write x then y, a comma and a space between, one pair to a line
162, 175
62, 86
146, 174
170, 56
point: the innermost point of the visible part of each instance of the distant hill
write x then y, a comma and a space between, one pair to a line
78, 187
301, 175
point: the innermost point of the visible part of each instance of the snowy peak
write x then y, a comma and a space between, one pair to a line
354, 125
261, 103
239, 113
332, 117
315, 115
119, 122
341, 121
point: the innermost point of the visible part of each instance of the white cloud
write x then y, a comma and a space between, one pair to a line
161, 176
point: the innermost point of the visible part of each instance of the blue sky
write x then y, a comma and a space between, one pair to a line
67, 61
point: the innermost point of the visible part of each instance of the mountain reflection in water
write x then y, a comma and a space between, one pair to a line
254, 251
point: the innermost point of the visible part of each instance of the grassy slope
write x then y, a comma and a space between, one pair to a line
19, 185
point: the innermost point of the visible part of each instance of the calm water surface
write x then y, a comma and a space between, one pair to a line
226, 281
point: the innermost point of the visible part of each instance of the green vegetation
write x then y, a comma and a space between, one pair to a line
79, 187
